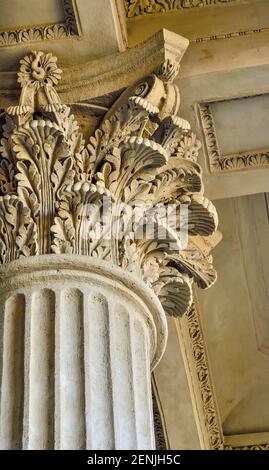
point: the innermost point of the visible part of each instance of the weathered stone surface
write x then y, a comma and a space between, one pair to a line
84, 299
142, 156
80, 337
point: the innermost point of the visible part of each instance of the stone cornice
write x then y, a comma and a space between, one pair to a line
106, 74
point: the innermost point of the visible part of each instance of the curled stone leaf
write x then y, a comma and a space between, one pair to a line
142, 156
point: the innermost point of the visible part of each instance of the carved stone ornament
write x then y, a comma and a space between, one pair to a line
69, 27
143, 7
250, 447
142, 156
230, 162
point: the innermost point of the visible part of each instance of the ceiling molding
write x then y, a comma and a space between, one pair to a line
247, 160
145, 7
70, 27
118, 13
248, 441
195, 357
193, 346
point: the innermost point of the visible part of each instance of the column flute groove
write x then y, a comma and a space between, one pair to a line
99, 406
41, 370
12, 386
71, 370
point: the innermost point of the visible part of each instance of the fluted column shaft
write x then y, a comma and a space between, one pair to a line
79, 340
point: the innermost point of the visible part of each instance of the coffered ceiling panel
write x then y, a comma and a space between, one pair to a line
238, 117
13, 16
247, 121
51, 19
76, 31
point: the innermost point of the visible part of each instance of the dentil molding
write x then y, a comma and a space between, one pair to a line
136, 9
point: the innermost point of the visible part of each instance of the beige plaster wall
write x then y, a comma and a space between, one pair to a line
221, 86
173, 390
98, 23
235, 313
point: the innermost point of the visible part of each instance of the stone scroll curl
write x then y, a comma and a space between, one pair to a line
55, 185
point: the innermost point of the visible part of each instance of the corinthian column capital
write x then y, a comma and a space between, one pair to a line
142, 157
98, 237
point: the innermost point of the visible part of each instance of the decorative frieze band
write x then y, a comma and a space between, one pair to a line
144, 7
229, 162
191, 328
137, 8
255, 447
204, 381
40, 32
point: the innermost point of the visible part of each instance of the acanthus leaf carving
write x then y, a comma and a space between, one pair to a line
142, 156
206, 391
68, 27
18, 235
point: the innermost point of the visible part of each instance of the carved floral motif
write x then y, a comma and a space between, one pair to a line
250, 447
39, 33
38, 70
210, 413
142, 156
143, 7
209, 407
229, 162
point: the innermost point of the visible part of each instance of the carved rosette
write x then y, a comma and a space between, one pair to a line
142, 156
